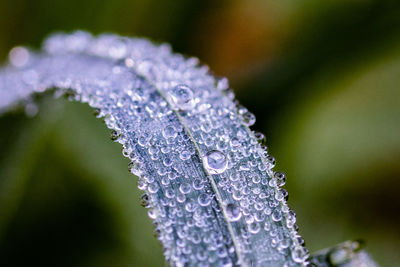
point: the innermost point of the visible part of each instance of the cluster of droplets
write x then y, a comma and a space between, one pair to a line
209, 183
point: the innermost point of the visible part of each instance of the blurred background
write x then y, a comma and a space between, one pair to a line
322, 77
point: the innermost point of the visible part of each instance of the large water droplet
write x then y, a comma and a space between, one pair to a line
182, 96
215, 162
233, 212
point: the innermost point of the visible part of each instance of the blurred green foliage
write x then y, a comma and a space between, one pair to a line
322, 78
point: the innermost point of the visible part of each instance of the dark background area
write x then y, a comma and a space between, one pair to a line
322, 77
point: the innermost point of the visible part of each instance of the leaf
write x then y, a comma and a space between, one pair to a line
346, 254
209, 184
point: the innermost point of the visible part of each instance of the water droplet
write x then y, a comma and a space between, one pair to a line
145, 201
167, 162
19, 56
279, 195
152, 214
248, 118
170, 132
182, 96
273, 182
129, 62
198, 184
31, 109
233, 212
215, 162
276, 215
169, 193
300, 254
285, 194
290, 219
204, 199
185, 188
96, 112
260, 137
254, 227
153, 188
130, 166
281, 178
118, 49
222, 83
185, 155
114, 135
271, 160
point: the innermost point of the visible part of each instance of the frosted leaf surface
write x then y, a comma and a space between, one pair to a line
208, 183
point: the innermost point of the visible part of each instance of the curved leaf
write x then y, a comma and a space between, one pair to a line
209, 184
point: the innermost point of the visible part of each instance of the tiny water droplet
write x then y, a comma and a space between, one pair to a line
300, 254
281, 177
130, 166
204, 199
31, 109
260, 137
233, 212
254, 227
145, 201
19, 56
169, 132
248, 118
182, 96
276, 215
96, 112
185, 188
185, 155
222, 83
114, 135
271, 160
215, 162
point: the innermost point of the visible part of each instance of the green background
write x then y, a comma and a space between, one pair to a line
322, 77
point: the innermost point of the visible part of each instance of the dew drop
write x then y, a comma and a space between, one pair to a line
198, 184
222, 83
260, 137
248, 118
31, 109
182, 96
167, 162
145, 201
215, 162
300, 254
185, 188
204, 199
254, 228
169, 132
281, 178
276, 215
19, 56
114, 135
153, 188
271, 160
233, 212
184, 155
